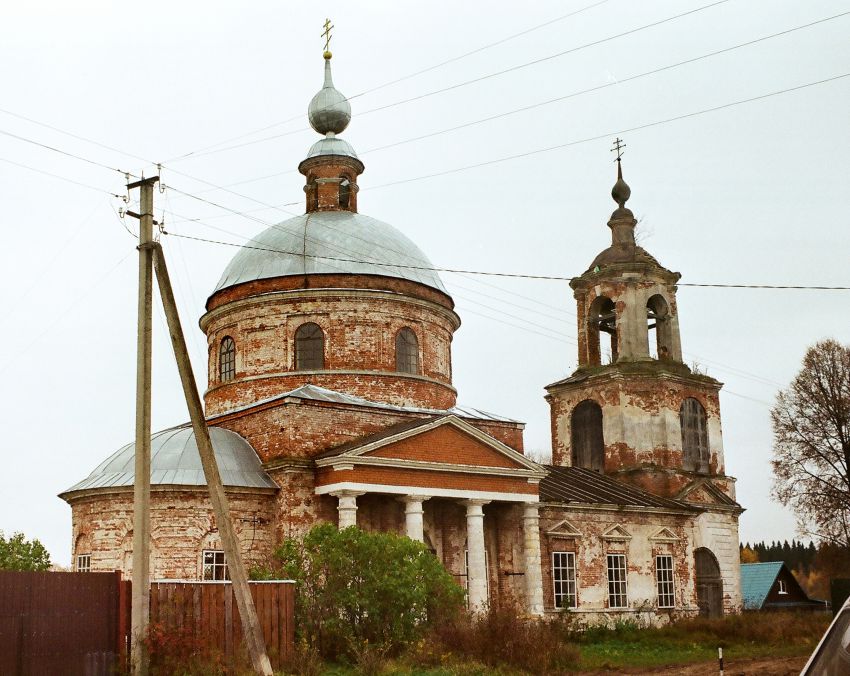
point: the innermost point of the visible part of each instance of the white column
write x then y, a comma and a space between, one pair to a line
347, 508
476, 567
414, 516
531, 546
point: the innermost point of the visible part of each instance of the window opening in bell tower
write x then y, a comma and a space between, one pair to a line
658, 320
602, 318
344, 192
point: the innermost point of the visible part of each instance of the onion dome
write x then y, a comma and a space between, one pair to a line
329, 111
175, 461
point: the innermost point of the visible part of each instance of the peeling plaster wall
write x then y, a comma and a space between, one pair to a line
718, 531
591, 547
182, 525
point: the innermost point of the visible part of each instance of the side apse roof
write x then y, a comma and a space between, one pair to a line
330, 242
756, 581
175, 461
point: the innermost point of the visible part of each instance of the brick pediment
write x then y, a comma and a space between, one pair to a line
446, 444
447, 441
703, 492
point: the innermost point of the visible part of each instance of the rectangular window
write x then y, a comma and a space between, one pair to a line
83, 563
783, 588
664, 581
617, 581
564, 579
215, 567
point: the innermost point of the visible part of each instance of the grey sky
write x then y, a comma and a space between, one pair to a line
753, 193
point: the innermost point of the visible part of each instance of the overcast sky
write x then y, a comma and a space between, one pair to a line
749, 194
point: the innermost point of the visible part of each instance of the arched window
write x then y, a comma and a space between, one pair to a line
601, 318
344, 192
226, 360
406, 352
588, 446
658, 318
694, 435
309, 347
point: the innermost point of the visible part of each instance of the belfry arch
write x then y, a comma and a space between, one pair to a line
601, 319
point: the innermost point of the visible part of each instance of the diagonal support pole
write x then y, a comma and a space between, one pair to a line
247, 612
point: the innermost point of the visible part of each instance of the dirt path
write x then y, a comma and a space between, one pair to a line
778, 666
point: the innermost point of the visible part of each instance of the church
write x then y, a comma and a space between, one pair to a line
330, 399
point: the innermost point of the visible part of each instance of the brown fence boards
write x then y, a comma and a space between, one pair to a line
207, 611
60, 623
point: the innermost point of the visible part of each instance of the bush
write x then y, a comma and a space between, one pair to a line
502, 638
364, 593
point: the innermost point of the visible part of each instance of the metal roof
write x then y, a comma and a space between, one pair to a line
330, 242
175, 461
329, 110
756, 581
331, 145
316, 393
584, 486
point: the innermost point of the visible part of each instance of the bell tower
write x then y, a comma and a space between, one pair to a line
632, 409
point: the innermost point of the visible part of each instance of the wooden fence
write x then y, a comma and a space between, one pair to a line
206, 613
62, 623
78, 624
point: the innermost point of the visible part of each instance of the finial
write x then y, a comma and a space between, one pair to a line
326, 34
621, 190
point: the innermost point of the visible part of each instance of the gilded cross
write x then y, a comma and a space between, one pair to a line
326, 34
618, 148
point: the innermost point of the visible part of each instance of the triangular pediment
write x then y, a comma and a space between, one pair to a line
665, 535
616, 533
703, 492
563, 529
442, 441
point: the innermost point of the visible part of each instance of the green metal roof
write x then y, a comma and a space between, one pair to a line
756, 582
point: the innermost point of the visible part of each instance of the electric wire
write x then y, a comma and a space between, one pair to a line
61, 178
514, 275
598, 137
403, 78
565, 97
481, 78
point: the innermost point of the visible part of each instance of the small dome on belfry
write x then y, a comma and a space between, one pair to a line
331, 166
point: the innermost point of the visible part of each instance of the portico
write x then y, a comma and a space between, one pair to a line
388, 466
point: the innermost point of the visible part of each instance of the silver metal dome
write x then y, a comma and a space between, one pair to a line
175, 461
330, 242
329, 110
331, 145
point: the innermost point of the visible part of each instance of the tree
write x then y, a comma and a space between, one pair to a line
18, 553
811, 443
356, 589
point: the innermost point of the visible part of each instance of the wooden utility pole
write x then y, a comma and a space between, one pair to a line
140, 609
251, 628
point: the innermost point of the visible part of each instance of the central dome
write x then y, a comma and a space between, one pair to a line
330, 242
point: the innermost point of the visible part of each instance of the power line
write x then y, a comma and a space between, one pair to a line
61, 178
565, 97
480, 272
611, 133
401, 79
63, 152
481, 78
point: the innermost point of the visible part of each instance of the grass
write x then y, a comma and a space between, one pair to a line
483, 648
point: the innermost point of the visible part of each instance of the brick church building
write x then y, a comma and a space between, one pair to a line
330, 398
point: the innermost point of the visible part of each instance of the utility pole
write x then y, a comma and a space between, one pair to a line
251, 629
150, 257
140, 609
